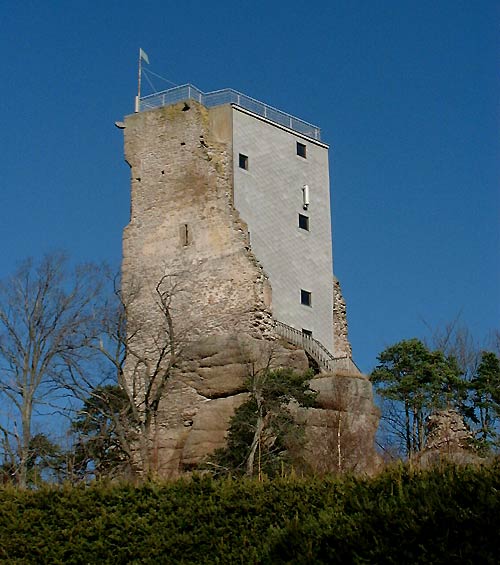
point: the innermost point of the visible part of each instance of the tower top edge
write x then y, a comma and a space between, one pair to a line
228, 96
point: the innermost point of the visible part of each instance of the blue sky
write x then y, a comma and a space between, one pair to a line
406, 94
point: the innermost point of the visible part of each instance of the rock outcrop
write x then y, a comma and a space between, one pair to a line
209, 384
448, 439
341, 344
340, 431
204, 391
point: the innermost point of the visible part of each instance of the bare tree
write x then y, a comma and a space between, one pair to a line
142, 355
454, 339
495, 342
47, 321
345, 442
262, 433
392, 431
142, 331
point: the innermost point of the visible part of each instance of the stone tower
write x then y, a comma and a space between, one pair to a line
230, 213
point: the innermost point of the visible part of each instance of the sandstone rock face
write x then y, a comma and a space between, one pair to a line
340, 432
186, 253
209, 384
448, 439
205, 390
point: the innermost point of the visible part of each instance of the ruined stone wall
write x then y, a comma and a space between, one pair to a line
341, 345
183, 225
448, 440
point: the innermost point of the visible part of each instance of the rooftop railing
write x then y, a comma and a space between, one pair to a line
228, 96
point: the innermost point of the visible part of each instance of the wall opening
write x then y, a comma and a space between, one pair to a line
185, 233
303, 222
243, 162
305, 297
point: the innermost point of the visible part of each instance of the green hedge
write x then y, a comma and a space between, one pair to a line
446, 516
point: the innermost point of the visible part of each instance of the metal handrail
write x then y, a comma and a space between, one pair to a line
326, 361
228, 96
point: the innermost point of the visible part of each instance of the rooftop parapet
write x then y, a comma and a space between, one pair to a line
228, 96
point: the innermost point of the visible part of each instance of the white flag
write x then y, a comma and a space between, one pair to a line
143, 55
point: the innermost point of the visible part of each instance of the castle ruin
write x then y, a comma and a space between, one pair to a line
230, 223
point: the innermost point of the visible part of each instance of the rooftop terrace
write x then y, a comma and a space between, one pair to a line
228, 96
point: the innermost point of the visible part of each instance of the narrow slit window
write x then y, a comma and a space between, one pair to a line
303, 222
243, 162
305, 297
185, 235
301, 150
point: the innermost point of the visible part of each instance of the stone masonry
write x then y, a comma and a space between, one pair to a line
341, 344
183, 225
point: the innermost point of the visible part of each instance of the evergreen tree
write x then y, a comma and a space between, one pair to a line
417, 381
45, 463
485, 386
101, 427
263, 432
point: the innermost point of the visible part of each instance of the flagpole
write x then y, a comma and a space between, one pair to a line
138, 85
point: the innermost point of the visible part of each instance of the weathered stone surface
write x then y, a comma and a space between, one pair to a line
448, 439
340, 433
218, 365
214, 382
209, 429
185, 233
344, 392
446, 429
183, 224
198, 406
204, 391
341, 344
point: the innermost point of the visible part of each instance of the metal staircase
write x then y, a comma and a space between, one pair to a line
326, 361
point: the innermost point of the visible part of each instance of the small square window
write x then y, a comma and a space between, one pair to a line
301, 150
303, 222
243, 162
307, 333
305, 297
